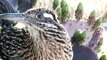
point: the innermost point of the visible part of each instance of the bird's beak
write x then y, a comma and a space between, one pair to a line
16, 17
12, 16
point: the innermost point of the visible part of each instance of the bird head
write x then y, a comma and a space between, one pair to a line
40, 18
40, 13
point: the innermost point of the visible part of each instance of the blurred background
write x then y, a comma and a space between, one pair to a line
100, 7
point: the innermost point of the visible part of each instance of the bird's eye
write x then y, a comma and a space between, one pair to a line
39, 16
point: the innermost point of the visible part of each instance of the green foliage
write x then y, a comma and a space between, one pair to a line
78, 37
79, 11
80, 7
91, 18
65, 11
63, 3
93, 13
97, 23
100, 42
59, 11
61, 8
55, 3
103, 57
97, 48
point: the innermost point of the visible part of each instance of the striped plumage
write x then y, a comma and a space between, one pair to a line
12, 40
41, 37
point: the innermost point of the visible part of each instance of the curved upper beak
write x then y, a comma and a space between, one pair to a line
12, 16
16, 17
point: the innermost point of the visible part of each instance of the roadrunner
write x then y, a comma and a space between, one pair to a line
33, 35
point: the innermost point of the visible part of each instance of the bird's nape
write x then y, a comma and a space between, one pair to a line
41, 13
